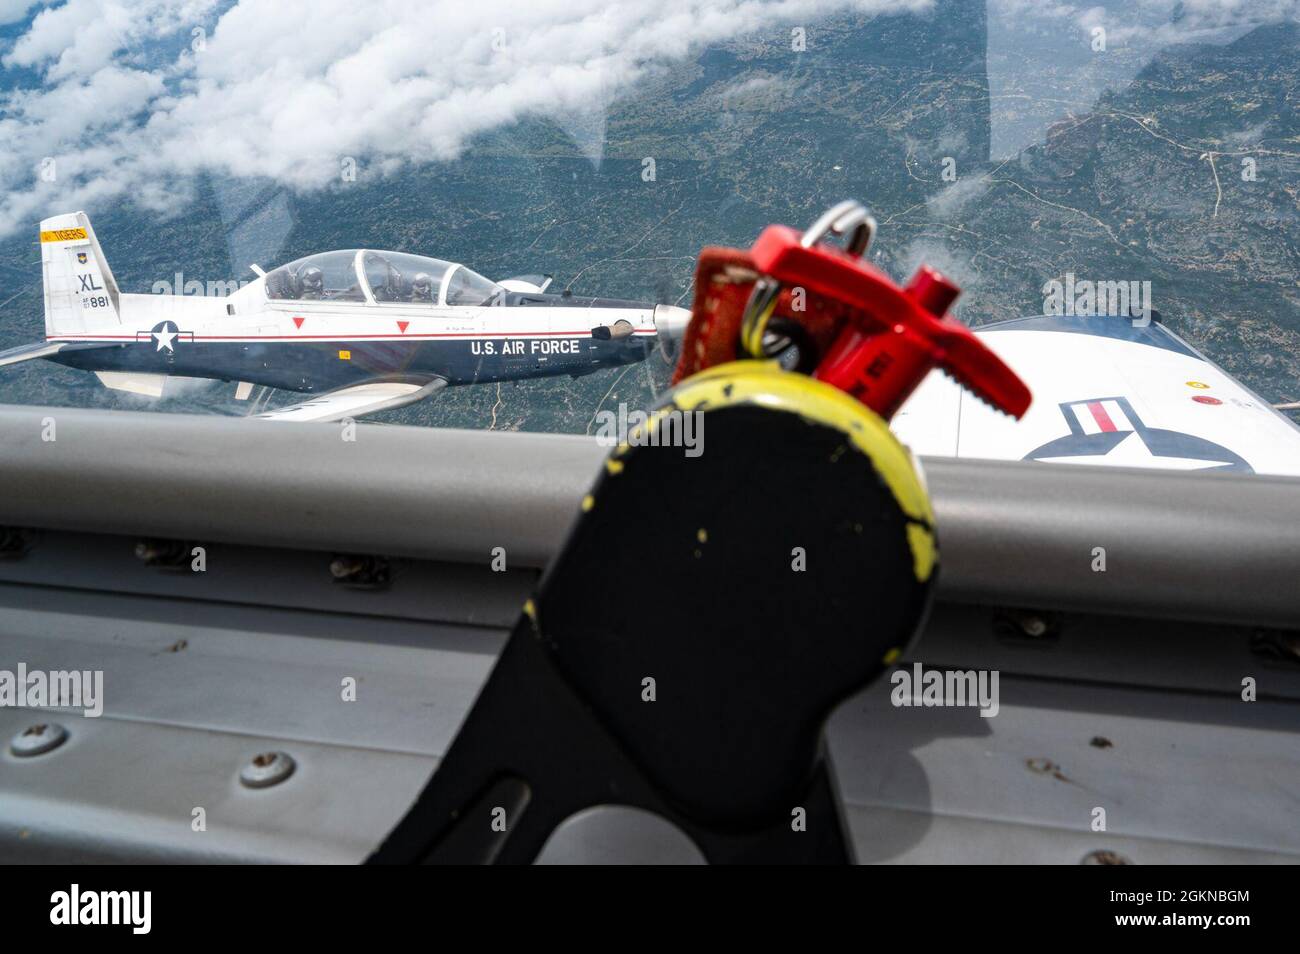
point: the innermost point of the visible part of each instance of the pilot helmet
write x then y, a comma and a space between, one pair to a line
312, 279
422, 285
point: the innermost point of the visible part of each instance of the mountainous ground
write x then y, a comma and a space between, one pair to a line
1144, 182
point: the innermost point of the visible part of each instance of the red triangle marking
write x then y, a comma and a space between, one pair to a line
298, 321
402, 325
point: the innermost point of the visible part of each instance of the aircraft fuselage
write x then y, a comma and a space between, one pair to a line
313, 346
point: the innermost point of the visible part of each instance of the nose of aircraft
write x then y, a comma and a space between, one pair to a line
670, 326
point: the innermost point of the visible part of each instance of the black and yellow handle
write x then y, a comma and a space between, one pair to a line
712, 604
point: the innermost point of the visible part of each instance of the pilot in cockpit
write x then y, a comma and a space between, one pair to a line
422, 287
312, 282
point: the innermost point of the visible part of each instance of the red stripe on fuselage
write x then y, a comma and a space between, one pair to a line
343, 337
1101, 417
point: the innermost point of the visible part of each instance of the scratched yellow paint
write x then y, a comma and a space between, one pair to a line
765, 384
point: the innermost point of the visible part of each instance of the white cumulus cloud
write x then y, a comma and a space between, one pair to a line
137, 97
283, 91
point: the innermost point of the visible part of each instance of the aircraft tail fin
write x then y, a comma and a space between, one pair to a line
81, 295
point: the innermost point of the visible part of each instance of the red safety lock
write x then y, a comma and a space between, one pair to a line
872, 339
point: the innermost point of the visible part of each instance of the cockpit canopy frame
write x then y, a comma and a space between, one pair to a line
372, 277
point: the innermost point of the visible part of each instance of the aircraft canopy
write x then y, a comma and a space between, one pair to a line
374, 277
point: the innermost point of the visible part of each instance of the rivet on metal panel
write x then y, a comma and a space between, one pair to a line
1034, 625
1022, 624
164, 554
38, 739
266, 769
365, 572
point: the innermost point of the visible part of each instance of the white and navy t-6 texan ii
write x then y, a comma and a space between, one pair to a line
363, 331
359, 330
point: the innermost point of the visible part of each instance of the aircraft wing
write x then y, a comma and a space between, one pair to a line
356, 400
44, 349
1107, 391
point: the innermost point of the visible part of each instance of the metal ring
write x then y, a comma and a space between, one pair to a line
845, 218
838, 221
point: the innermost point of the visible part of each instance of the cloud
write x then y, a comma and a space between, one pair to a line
748, 92
11, 11
138, 98
285, 91
951, 200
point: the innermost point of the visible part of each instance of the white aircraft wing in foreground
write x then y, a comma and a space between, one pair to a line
1107, 391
